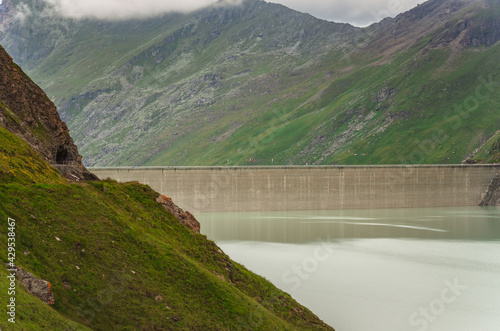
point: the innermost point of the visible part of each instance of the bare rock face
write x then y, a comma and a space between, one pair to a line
35, 286
182, 216
492, 197
26, 111
384, 94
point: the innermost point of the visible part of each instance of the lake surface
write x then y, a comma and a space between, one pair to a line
389, 269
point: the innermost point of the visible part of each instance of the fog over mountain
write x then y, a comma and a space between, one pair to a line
122, 10
356, 12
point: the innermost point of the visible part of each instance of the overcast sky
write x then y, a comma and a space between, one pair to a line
356, 12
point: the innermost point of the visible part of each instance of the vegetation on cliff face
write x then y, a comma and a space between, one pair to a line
26, 111
260, 81
20, 164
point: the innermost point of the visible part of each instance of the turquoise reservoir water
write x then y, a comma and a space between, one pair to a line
389, 269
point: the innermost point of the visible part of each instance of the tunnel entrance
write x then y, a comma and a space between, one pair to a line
62, 155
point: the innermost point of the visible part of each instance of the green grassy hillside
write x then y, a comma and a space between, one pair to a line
32, 314
117, 260
20, 164
489, 152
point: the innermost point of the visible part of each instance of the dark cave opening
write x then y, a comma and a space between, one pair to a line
62, 155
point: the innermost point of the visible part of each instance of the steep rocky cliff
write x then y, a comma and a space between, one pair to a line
26, 111
492, 197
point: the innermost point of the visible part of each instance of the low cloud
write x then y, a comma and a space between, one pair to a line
23, 11
129, 9
357, 12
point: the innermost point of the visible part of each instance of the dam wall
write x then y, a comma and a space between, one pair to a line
313, 188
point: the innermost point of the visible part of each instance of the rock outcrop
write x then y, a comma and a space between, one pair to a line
35, 286
492, 197
182, 216
26, 111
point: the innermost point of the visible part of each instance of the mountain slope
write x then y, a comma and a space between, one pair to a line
261, 81
27, 111
115, 257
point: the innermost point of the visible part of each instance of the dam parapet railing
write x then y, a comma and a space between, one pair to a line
265, 188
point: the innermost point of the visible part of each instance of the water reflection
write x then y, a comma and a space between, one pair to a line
471, 223
374, 269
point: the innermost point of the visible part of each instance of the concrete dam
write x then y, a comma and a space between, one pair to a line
207, 189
